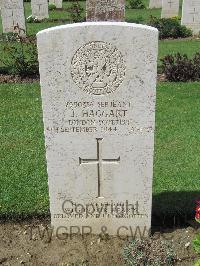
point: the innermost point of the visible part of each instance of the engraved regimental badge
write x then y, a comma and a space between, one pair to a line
98, 68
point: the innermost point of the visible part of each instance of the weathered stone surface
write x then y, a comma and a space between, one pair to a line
105, 10
12, 14
57, 3
191, 15
155, 3
170, 8
40, 9
98, 84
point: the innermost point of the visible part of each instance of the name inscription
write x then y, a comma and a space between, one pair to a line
101, 116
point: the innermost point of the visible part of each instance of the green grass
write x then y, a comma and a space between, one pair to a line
166, 47
142, 15
189, 47
23, 181
177, 153
132, 15
23, 177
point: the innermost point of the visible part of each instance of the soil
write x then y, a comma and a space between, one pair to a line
17, 79
21, 244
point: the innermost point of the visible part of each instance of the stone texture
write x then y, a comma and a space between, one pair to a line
98, 83
170, 8
105, 10
155, 4
191, 15
12, 14
57, 3
40, 9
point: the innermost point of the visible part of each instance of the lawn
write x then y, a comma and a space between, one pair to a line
23, 177
132, 15
23, 181
177, 149
184, 46
187, 46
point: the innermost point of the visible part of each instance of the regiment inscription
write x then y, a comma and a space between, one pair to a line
98, 68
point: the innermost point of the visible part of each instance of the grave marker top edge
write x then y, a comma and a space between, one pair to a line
103, 23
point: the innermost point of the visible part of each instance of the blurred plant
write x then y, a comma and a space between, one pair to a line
197, 214
196, 244
52, 7
169, 28
136, 4
149, 252
8, 37
196, 240
32, 19
181, 68
75, 11
20, 58
197, 263
138, 20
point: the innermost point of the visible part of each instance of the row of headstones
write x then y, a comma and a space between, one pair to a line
190, 11
12, 12
13, 17
40, 7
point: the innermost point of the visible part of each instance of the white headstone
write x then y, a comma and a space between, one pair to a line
57, 3
155, 3
98, 82
40, 9
170, 8
191, 15
13, 19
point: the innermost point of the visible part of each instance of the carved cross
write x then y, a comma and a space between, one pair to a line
99, 161
39, 6
105, 10
170, 2
13, 21
194, 13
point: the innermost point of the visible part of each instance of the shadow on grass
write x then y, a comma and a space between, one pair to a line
23, 217
174, 208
